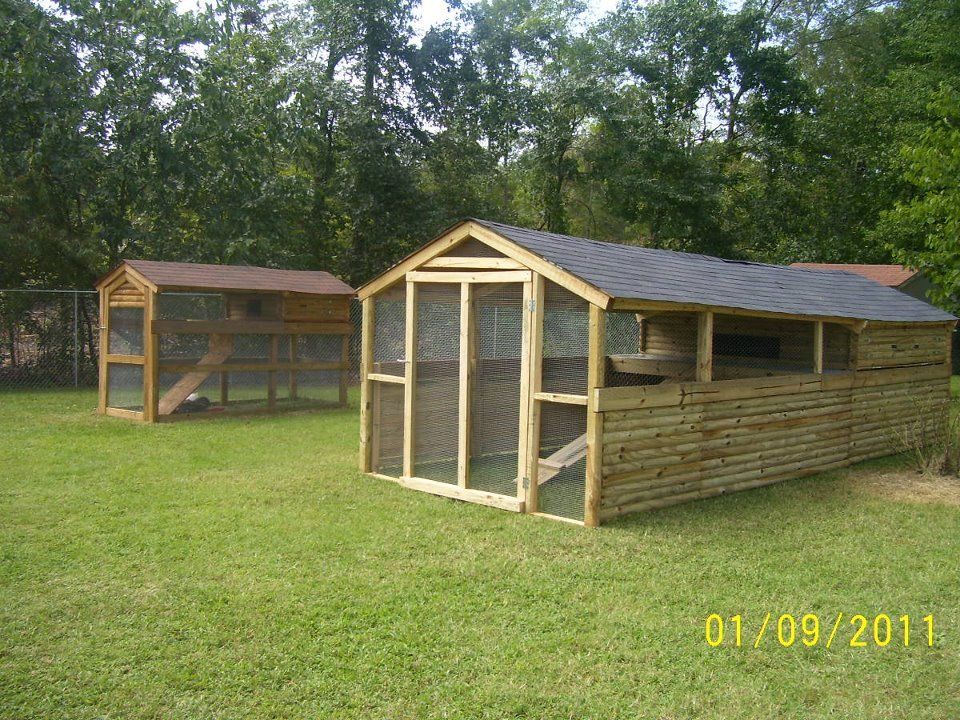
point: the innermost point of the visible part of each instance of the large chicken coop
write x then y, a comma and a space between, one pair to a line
191, 340
582, 380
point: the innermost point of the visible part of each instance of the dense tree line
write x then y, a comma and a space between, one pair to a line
328, 133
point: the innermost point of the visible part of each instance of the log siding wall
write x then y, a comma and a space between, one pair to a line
664, 445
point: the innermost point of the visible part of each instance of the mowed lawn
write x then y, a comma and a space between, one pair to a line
245, 568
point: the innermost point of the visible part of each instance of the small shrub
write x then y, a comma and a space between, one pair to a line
932, 439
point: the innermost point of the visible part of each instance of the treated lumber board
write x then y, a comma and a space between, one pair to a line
381, 377
278, 366
525, 397
565, 398
467, 358
596, 366
482, 276
818, 347
569, 454
410, 379
450, 262
151, 352
504, 502
126, 359
250, 327
125, 414
642, 306
534, 309
705, 347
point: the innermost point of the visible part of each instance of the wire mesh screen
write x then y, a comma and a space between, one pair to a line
562, 471
387, 439
836, 347
756, 347
495, 392
389, 314
48, 338
126, 331
317, 348
565, 341
215, 392
125, 386
190, 306
436, 397
626, 364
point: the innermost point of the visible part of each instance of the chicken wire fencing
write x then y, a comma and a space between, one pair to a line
436, 393
562, 467
48, 338
566, 348
495, 389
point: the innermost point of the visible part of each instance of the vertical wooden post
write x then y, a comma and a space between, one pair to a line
410, 380
104, 349
705, 347
530, 434
818, 347
294, 359
272, 374
366, 367
151, 361
596, 369
466, 379
224, 387
344, 370
523, 441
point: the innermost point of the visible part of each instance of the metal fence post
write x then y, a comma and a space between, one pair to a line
76, 343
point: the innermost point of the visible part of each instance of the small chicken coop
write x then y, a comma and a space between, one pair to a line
583, 380
188, 340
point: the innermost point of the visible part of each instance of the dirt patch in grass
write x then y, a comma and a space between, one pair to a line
906, 485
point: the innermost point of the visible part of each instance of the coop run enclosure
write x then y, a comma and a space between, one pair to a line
582, 380
187, 340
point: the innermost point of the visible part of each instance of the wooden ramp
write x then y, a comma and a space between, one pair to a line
562, 458
221, 348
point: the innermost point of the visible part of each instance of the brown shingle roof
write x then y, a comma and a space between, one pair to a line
238, 277
889, 275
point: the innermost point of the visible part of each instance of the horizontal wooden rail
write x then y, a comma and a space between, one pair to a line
493, 276
125, 414
381, 377
250, 327
565, 398
179, 367
449, 262
504, 502
125, 359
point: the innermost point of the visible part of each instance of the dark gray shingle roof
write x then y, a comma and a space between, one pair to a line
626, 271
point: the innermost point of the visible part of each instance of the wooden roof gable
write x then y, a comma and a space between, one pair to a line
162, 276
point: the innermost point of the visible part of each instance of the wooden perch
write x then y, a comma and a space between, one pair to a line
562, 458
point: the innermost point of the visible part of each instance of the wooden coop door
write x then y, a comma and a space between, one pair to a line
469, 384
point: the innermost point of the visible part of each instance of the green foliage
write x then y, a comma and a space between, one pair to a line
320, 133
925, 231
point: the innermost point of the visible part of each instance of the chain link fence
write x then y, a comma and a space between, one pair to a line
48, 338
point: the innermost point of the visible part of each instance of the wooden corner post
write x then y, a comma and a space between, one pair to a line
366, 385
705, 346
467, 359
410, 380
151, 360
818, 347
596, 366
531, 381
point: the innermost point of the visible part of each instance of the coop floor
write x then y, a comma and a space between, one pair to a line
246, 568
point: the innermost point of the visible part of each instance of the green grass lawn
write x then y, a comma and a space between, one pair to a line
244, 568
